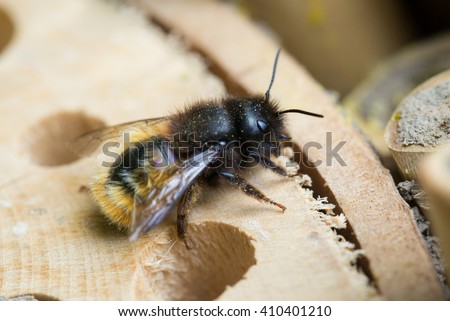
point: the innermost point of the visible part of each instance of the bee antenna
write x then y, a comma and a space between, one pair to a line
267, 95
299, 111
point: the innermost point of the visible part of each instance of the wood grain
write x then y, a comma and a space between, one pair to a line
106, 62
109, 64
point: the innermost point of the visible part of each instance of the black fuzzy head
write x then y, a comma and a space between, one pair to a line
256, 118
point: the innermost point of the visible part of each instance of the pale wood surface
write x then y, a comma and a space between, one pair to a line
89, 56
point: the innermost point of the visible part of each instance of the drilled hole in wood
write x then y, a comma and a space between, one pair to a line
43, 297
6, 29
220, 256
46, 141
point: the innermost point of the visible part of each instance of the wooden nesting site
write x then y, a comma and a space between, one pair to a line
76, 65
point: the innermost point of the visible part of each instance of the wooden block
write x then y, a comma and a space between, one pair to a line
103, 63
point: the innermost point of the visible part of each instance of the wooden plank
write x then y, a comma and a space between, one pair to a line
363, 189
95, 62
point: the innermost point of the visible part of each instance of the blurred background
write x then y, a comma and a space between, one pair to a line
340, 41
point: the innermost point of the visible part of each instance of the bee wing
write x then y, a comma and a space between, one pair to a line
161, 199
88, 143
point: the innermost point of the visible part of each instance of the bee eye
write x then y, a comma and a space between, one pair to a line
262, 125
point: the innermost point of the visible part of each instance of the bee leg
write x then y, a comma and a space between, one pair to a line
268, 163
248, 189
183, 210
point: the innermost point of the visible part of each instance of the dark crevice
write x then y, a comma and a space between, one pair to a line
6, 29
320, 187
41, 297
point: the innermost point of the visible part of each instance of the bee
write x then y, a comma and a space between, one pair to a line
169, 158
